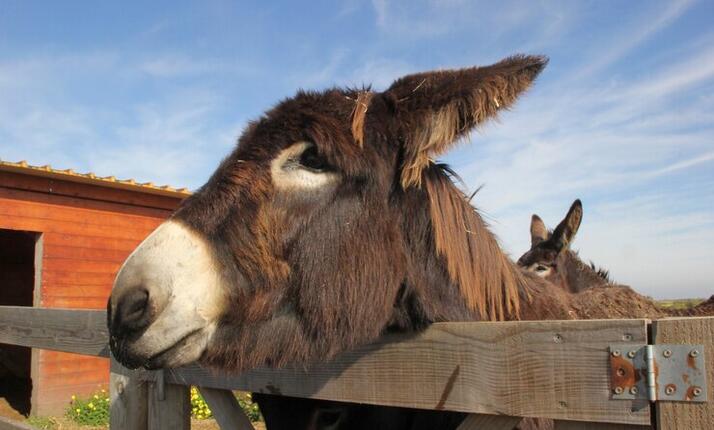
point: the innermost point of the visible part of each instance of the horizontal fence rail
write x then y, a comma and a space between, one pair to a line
547, 369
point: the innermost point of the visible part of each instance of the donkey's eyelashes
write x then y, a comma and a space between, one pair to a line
300, 166
312, 160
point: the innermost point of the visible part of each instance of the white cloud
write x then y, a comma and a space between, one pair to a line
175, 65
174, 139
634, 34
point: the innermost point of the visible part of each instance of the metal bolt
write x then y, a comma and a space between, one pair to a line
694, 353
697, 391
633, 390
631, 354
669, 390
620, 371
627, 337
557, 338
618, 390
616, 353
667, 353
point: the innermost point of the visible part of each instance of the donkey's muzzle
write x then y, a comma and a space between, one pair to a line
166, 299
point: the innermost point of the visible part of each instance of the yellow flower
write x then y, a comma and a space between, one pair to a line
90, 405
74, 397
78, 411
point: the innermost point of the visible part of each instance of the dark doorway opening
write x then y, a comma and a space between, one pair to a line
17, 282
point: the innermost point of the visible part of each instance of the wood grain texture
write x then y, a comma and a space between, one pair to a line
87, 232
491, 422
67, 330
171, 413
579, 425
8, 424
553, 369
18, 222
548, 369
81, 203
225, 409
86, 191
682, 415
75, 213
129, 403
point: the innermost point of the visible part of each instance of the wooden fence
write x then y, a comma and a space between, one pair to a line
496, 372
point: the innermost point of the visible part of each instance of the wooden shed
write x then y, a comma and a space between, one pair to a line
63, 237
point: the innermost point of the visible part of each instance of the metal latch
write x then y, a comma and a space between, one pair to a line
658, 372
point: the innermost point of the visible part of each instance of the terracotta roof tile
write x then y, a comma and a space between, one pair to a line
89, 177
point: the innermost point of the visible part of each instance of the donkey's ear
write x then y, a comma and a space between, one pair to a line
435, 109
539, 232
565, 232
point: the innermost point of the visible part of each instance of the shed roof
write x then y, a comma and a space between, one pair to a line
23, 167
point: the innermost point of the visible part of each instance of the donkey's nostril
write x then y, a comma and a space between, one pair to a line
132, 311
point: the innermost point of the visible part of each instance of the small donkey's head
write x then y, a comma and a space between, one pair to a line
308, 237
550, 251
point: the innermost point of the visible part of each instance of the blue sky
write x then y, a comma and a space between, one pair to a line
623, 117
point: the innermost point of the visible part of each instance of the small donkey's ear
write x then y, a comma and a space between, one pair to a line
435, 109
539, 232
565, 232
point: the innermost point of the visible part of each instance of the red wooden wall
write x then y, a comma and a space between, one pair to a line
87, 232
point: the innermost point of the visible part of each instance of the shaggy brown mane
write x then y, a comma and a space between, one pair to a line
487, 278
358, 115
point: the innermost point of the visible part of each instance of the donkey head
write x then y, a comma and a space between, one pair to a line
327, 224
549, 254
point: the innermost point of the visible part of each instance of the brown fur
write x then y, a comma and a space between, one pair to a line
488, 281
550, 252
436, 109
358, 115
394, 247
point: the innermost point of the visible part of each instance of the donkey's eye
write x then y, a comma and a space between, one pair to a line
312, 160
541, 268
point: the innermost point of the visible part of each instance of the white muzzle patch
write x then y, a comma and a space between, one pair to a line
187, 286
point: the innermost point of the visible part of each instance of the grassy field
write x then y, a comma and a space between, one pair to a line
679, 303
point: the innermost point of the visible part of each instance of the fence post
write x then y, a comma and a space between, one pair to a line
128, 397
225, 409
170, 411
689, 330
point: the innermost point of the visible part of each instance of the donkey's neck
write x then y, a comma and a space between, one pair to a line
580, 275
456, 268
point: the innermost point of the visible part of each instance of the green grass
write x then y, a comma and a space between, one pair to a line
201, 411
93, 411
679, 303
42, 423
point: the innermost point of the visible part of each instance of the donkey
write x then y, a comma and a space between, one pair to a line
550, 256
328, 225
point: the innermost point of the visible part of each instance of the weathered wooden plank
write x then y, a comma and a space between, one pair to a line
67, 330
34, 224
129, 402
61, 211
488, 368
91, 191
173, 412
682, 415
62, 240
491, 422
579, 425
8, 424
225, 409
548, 369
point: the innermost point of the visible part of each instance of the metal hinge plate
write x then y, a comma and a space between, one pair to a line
658, 372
